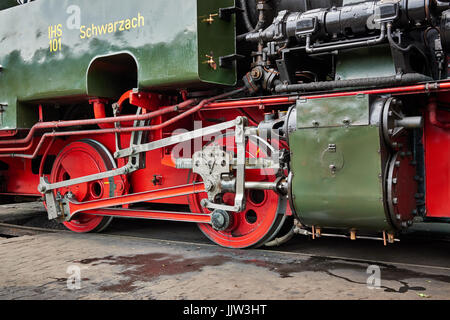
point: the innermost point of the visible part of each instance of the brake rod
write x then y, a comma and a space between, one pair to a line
71, 207
152, 215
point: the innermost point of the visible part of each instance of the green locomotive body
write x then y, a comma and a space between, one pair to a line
81, 49
330, 117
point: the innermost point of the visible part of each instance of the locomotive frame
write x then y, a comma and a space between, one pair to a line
95, 127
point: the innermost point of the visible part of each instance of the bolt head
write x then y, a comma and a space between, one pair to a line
42, 188
209, 186
221, 220
204, 203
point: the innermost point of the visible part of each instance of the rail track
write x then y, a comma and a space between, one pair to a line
431, 252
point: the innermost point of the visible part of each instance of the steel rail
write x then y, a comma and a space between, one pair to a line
37, 230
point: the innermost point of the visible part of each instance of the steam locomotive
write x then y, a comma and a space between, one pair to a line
252, 119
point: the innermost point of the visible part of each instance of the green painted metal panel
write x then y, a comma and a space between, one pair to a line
5, 4
167, 39
365, 63
335, 112
338, 172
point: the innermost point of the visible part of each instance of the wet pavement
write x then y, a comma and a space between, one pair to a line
164, 260
47, 266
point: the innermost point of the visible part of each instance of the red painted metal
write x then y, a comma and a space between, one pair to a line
153, 215
99, 106
72, 123
143, 117
262, 102
251, 225
88, 122
44, 158
20, 179
8, 133
437, 163
185, 190
432, 110
41, 113
208, 104
255, 102
80, 159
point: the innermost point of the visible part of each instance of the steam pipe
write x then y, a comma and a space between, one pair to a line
100, 112
74, 123
364, 82
363, 43
122, 130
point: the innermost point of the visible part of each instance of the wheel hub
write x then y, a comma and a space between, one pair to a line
402, 190
264, 210
221, 220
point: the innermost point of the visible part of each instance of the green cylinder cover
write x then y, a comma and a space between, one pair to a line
337, 166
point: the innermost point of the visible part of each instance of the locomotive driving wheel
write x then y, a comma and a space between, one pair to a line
80, 159
264, 212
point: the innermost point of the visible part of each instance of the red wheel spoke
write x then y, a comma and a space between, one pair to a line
81, 159
257, 222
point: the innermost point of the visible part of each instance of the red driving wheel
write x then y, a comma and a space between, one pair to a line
80, 159
261, 218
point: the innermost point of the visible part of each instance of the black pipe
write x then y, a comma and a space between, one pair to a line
261, 20
248, 24
348, 44
393, 43
396, 80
